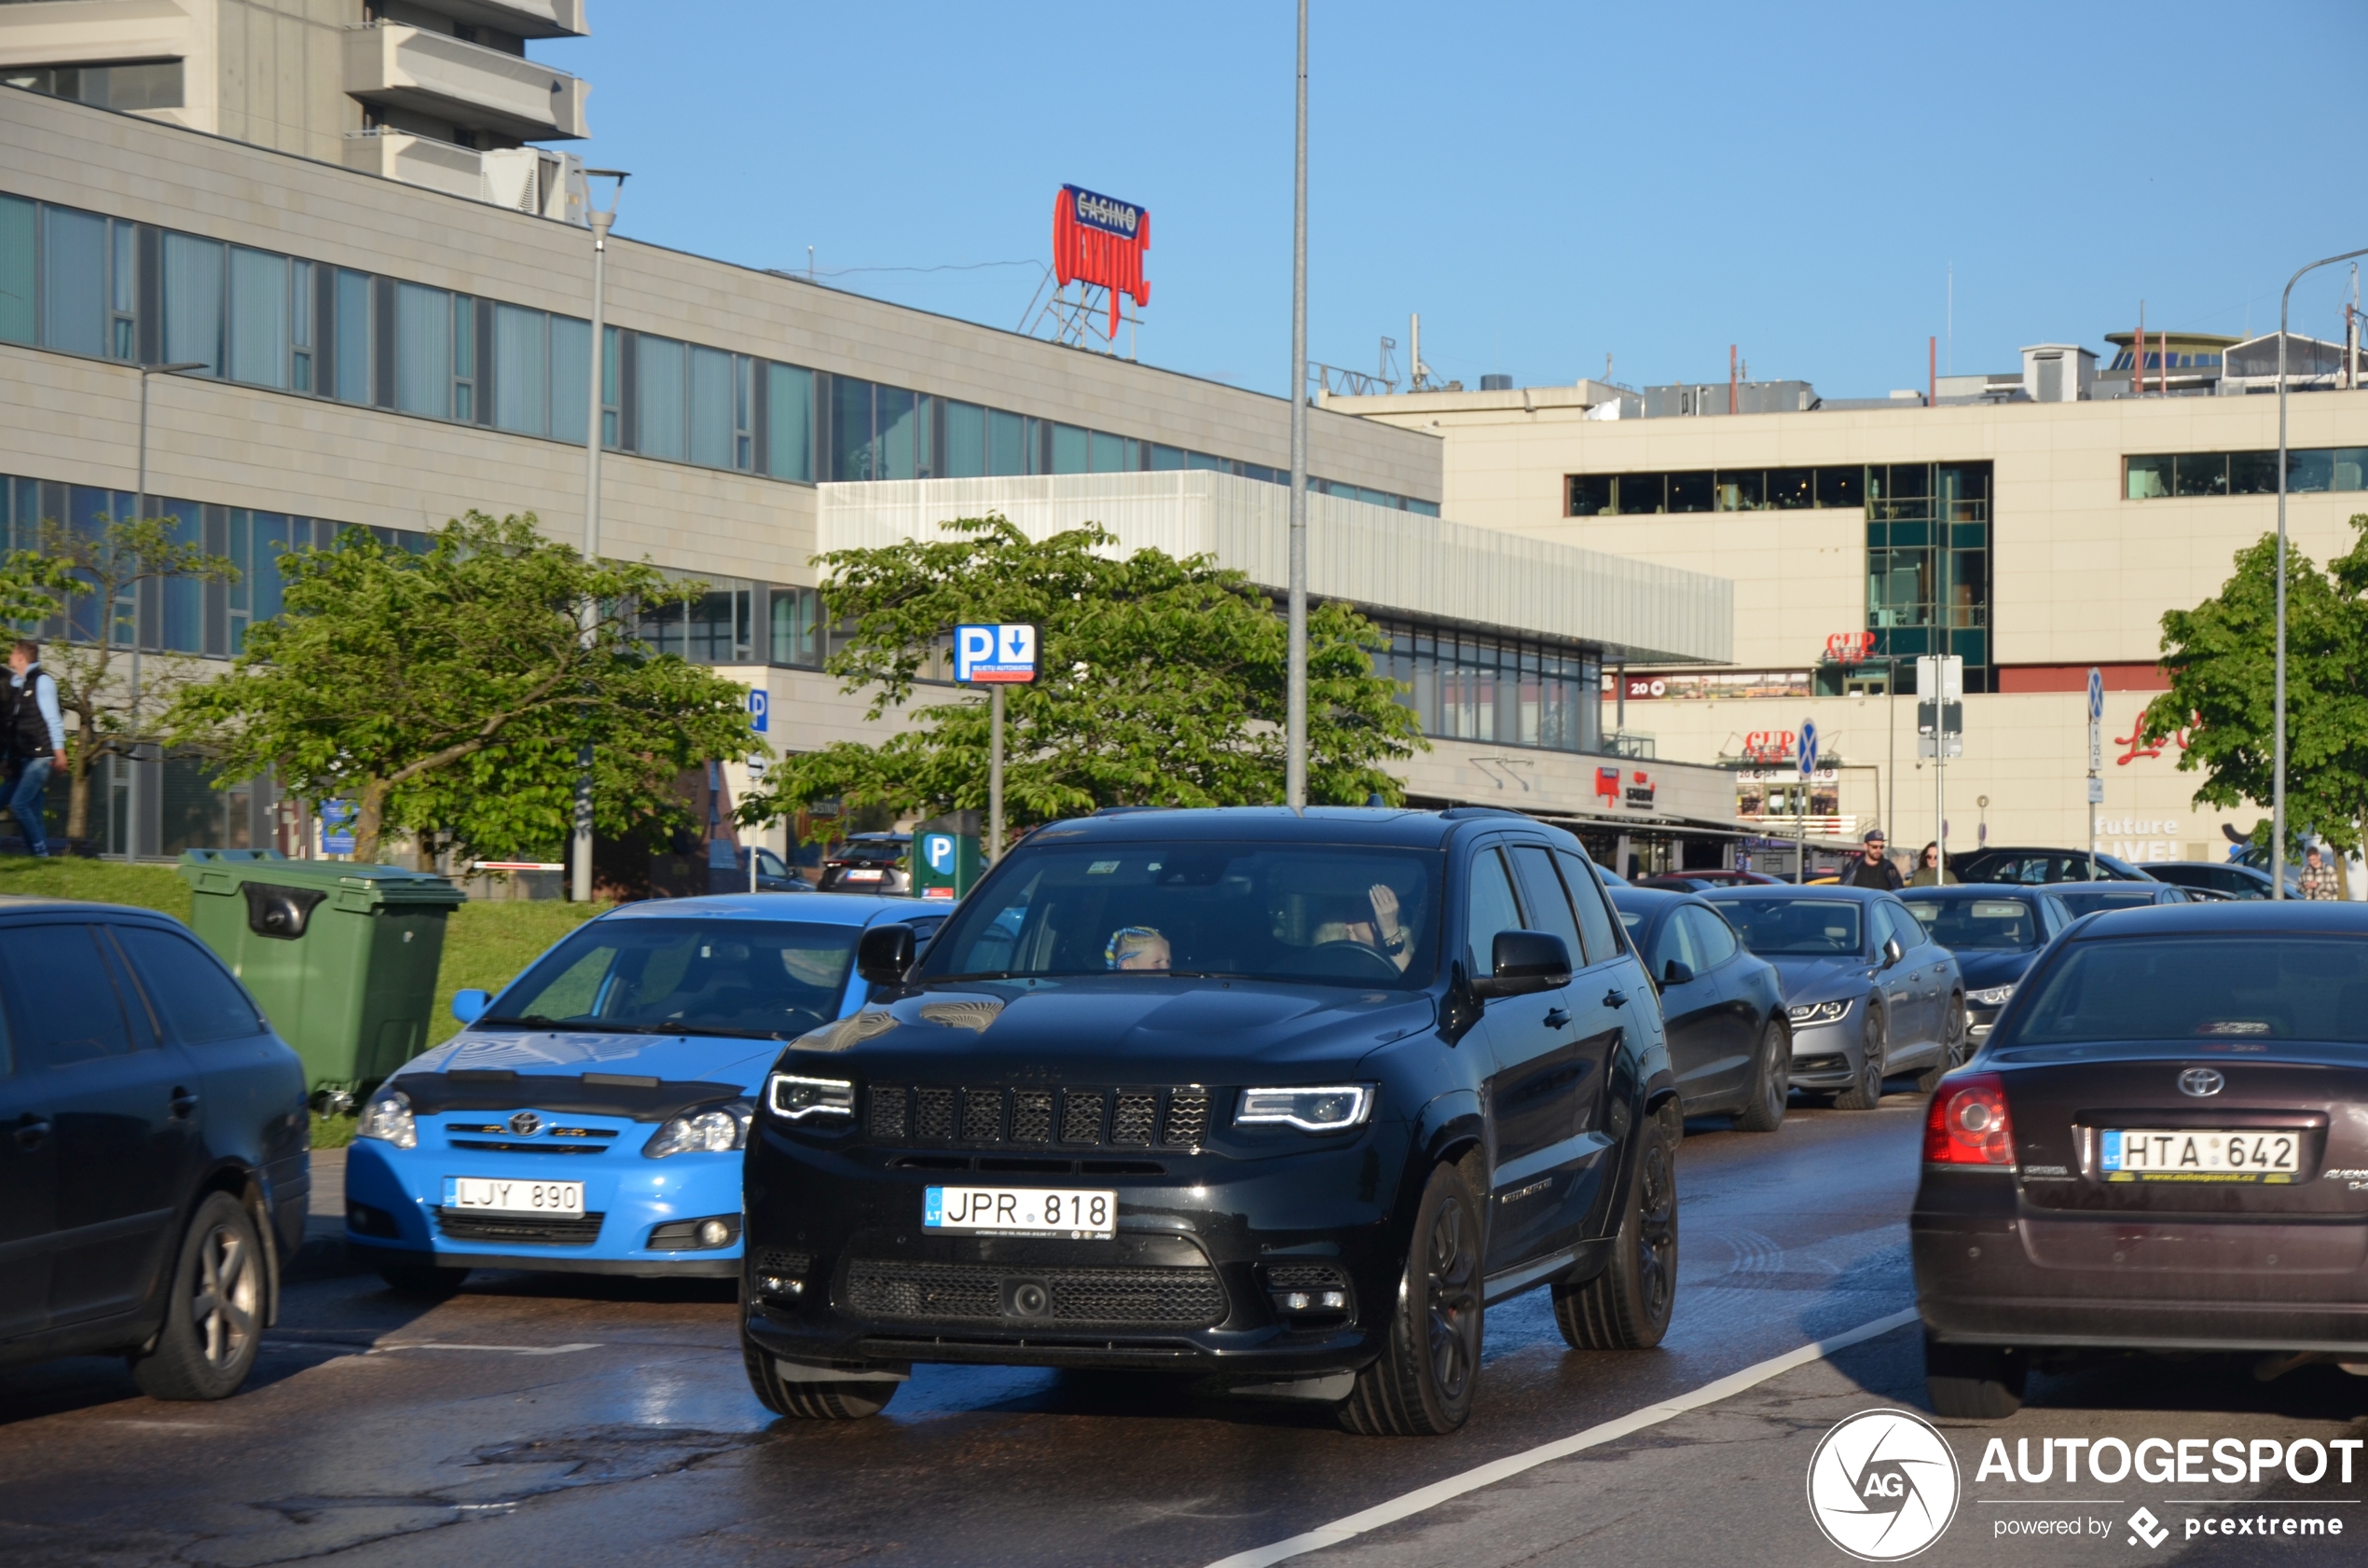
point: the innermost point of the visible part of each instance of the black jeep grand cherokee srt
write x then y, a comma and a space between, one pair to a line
1284, 1097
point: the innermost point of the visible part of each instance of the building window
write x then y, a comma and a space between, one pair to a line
1507, 691
193, 271
789, 423
258, 317
2318, 470
1750, 490
1928, 567
146, 84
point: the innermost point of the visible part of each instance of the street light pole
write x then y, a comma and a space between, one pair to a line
580, 880
106, 630
2278, 781
1295, 698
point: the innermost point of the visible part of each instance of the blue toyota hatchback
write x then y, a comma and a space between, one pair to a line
591, 1117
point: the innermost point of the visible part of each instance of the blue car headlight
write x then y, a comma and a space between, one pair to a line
702, 1130
1818, 1013
388, 1117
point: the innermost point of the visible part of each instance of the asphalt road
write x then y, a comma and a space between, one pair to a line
548, 1419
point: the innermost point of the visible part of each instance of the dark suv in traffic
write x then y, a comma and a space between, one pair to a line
1289, 1097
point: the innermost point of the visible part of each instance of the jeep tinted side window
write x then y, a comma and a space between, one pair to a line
1542, 895
1595, 921
1491, 909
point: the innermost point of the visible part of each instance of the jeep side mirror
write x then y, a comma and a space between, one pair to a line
1525, 961
1892, 953
884, 953
1675, 972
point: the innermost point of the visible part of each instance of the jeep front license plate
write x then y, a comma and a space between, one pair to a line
515, 1197
2192, 1154
1021, 1211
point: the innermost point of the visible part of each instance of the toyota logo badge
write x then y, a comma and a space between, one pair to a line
2201, 1081
526, 1124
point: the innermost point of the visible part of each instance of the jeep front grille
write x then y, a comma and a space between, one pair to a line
1004, 1117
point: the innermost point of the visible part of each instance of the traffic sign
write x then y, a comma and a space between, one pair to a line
995, 654
760, 709
2096, 694
1808, 747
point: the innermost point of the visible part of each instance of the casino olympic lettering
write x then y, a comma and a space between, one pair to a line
1103, 213
1101, 239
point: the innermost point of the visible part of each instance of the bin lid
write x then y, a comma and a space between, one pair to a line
359, 886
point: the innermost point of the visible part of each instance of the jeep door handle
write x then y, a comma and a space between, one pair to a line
1557, 1019
183, 1103
30, 1131
1615, 998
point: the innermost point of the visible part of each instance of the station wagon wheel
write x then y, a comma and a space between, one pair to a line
1627, 1305
1423, 1381
1772, 1085
214, 1314
1867, 1090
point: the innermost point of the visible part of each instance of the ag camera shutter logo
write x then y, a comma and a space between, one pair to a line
1883, 1485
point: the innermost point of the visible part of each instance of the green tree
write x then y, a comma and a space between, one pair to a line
1162, 682
451, 692
114, 566
2222, 660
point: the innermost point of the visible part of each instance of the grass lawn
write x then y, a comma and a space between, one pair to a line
484, 945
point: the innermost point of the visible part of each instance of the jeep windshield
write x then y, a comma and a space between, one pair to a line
1339, 915
762, 979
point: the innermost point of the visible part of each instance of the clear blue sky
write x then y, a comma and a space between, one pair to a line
1546, 183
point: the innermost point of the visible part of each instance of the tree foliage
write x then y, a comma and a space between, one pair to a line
2222, 660
114, 567
452, 692
1160, 682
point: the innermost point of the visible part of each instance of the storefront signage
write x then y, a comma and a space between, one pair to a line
1850, 647
1639, 793
1771, 745
1706, 685
2136, 746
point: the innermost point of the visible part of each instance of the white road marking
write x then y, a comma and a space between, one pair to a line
1431, 1496
508, 1350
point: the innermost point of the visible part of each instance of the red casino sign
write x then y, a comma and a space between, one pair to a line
1101, 239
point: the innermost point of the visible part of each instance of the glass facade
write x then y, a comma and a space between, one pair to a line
1507, 691
70, 280
1705, 490
2316, 470
1928, 564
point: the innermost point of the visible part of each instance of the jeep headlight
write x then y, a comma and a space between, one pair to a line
794, 1098
702, 1130
1818, 1013
388, 1117
1325, 1109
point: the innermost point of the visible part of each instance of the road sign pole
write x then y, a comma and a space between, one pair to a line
994, 775
2096, 758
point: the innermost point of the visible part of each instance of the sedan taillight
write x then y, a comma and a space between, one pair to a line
1968, 1124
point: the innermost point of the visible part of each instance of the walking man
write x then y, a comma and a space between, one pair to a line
36, 736
2319, 877
1873, 868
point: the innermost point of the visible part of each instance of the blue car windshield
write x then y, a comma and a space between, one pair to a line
762, 979
1806, 928
2221, 992
1340, 915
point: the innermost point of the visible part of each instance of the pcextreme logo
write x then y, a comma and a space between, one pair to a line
1883, 1485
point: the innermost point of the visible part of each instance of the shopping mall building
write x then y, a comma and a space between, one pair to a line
388, 334
2035, 524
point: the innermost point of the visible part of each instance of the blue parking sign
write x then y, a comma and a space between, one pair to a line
1002, 654
759, 709
938, 851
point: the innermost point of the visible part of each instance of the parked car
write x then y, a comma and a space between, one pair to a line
589, 1119
2162, 1147
731, 875
870, 863
153, 1164
1702, 881
1722, 1008
2039, 867
2224, 877
1284, 1099
1867, 993
2087, 898
1997, 930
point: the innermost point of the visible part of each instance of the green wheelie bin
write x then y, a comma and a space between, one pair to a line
341, 956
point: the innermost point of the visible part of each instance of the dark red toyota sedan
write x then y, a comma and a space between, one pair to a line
2163, 1145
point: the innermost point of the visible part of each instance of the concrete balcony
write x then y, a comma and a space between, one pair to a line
417, 161
475, 87
525, 19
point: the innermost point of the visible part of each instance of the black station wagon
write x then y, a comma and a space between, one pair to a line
1285, 1098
